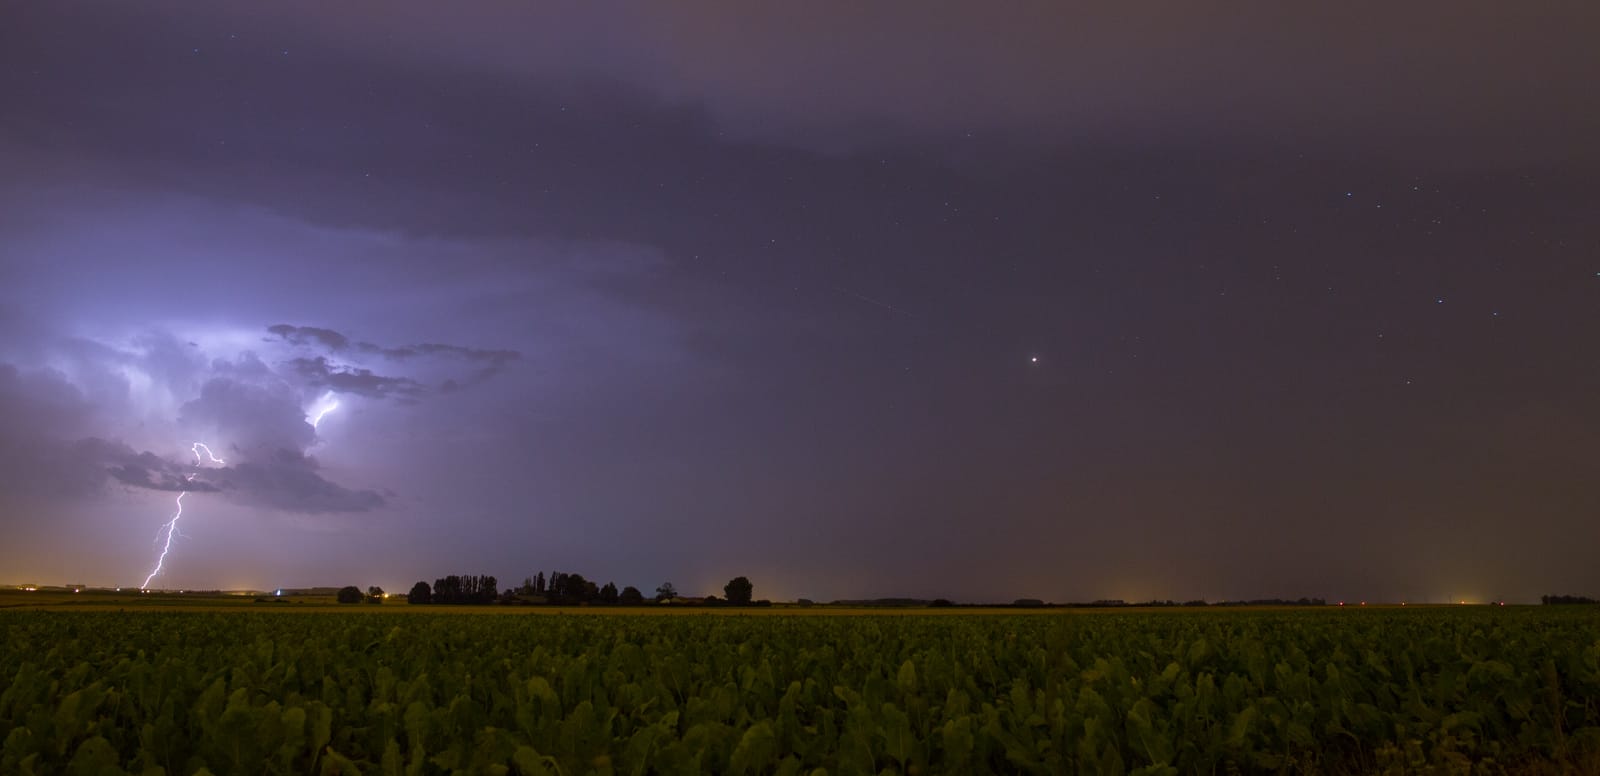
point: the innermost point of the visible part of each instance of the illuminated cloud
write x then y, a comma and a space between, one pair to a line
259, 413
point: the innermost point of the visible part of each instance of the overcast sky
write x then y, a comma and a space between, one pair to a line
921, 299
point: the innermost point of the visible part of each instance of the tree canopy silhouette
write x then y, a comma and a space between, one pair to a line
470, 589
739, 591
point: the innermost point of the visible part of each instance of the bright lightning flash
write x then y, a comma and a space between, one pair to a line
320, 410
171, 526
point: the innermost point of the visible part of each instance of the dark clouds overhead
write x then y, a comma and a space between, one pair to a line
684, 292
1473, 82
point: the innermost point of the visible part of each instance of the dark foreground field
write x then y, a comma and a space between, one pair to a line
1309, 691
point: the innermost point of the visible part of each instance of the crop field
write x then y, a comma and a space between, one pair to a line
1447, 690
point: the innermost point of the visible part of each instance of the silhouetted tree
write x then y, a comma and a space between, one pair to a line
470, 589
374, 595
420, 594
739, 591
666, 591
447, 590
608, 594
630, 596
349, 594
571, 589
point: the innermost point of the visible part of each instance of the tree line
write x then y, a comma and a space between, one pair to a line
350, 594
1566, 599
561, 588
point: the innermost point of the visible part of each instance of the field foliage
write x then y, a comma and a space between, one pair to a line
1439, 690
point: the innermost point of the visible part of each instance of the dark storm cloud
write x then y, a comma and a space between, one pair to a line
335, 342
137, 469
319, 371
488, 363
491, 358
289, 480
307, 335
281, 479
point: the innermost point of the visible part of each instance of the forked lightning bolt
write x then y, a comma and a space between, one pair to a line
171, 526
202, 456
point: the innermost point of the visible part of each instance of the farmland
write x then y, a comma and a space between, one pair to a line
394, 690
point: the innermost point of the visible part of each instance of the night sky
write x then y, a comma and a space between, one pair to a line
857, 300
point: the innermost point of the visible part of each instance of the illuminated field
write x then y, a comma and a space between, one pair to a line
391, 688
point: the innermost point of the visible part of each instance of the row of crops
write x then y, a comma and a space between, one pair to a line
1173, 692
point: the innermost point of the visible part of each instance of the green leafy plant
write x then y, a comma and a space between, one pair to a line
1440, 690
